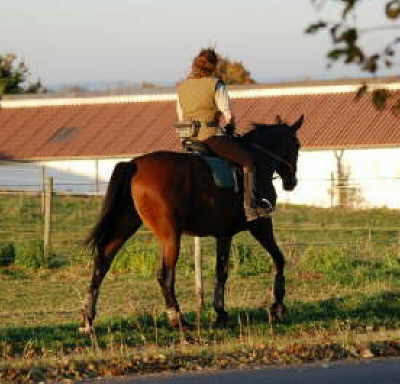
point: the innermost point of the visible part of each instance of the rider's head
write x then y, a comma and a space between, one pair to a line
205, 63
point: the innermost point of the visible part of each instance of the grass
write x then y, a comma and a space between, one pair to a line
343, 295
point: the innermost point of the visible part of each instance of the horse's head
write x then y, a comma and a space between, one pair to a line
280, 144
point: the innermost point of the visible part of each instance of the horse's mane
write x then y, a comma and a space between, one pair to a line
265, 133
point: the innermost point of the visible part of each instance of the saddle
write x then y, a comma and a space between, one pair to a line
225, 173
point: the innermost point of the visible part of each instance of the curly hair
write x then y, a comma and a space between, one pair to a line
205, 63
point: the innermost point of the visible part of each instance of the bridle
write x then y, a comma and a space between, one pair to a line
273, 155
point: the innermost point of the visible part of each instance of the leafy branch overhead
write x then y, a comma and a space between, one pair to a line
14, 76
346, 38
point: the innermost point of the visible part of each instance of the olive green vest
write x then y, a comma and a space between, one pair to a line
197, 99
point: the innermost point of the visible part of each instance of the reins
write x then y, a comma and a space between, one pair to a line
273, 155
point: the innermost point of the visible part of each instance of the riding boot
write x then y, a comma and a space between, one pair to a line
253, 207
250, 212
264, 191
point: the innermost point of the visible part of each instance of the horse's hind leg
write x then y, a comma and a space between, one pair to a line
221, 271
262, 230
101, 265
170, 245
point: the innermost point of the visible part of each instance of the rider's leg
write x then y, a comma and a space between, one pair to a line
264, 189
230, 150
233, 151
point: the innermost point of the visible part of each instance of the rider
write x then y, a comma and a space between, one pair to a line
203, 98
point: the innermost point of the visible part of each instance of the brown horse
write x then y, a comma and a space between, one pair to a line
173, 194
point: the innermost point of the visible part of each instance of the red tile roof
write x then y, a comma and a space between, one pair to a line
332, 120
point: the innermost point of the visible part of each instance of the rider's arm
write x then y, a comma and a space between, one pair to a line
222, 102
179, 112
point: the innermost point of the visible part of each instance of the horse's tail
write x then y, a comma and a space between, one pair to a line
118, 206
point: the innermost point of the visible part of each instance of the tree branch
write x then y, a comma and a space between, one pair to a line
379, 28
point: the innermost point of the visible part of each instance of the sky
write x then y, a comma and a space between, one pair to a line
73, 42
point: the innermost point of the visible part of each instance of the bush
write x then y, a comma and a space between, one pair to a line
337, 264
7, 254
138, 256
29, 254
248, 259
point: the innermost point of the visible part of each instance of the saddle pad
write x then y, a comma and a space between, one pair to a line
222, 171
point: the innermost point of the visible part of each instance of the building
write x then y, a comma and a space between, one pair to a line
350, 151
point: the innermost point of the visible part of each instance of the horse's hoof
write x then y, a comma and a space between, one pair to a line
86, 327
177, 321
276, 313
222, 320
184, 325
181, 325
86, 330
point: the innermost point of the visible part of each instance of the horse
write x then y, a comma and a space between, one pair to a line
173, 193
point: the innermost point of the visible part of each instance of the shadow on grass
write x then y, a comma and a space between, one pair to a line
382, 309
364, 309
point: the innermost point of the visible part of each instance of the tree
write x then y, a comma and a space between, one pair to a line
14, 75
233, 72
347, 47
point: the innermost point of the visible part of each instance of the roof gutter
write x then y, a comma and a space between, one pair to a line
234, 94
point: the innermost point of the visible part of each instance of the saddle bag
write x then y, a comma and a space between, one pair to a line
186, 130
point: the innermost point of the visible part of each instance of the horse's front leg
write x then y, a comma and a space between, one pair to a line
222, 269
262, 230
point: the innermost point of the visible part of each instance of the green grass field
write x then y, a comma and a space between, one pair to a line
343, 296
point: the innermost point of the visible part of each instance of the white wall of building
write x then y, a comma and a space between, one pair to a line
95, 172
373, 173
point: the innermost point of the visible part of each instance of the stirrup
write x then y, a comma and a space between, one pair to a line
269, 207
266, 201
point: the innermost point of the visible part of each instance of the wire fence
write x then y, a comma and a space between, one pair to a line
74, 212
61, 221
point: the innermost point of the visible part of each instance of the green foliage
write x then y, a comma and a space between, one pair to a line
249, 260
345, 36
333, 263
335, 291
349, 266
7, 254
392, 9
29, 254
137, 256
14, 75
348, 47
380, 97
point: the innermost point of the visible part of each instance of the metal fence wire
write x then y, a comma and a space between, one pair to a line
63, 218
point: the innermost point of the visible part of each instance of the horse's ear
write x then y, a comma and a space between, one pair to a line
297, 124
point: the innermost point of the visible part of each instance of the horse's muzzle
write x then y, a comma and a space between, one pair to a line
290, 184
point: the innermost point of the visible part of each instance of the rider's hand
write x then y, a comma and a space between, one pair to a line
229, 129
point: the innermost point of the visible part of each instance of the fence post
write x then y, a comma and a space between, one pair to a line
398, 244
97, 176
42, 200
198, 272
332, 189
369, 240
48, 201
